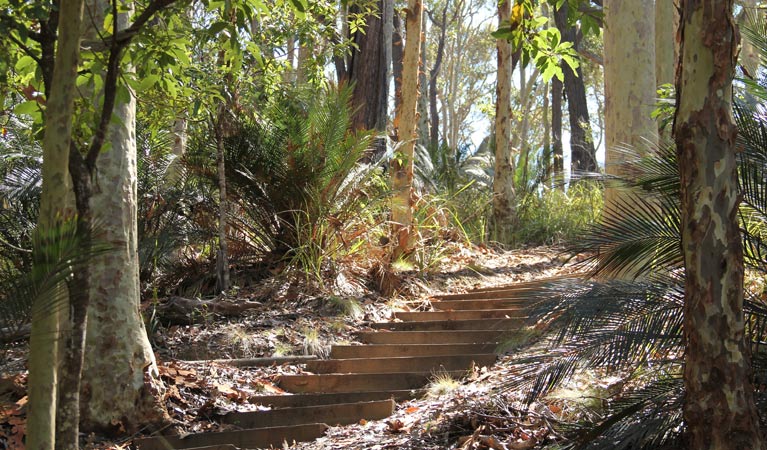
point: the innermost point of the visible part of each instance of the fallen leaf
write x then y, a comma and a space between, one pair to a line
395, 426
411, 409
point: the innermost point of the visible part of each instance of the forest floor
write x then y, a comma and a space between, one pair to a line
290, 316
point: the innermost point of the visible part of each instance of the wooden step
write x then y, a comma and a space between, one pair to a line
547, 285
428, 337
439, 325
401, 364
338, 414
462, 305
386, 351
253, 438
424, 316
358, 382
300, 400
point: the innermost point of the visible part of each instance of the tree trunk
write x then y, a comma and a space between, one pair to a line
582, 153
433, 74
556, 125
222, 257
504, 197
406, 124
56, 202
546, 131
422, 131
666, 22
630, 87
368, 70
397, 47
719, 407
118, 347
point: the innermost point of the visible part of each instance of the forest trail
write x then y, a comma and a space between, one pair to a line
362, 382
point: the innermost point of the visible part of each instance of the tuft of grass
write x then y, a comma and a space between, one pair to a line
441, 384
313, 344
239, 338
347, 306
282, 349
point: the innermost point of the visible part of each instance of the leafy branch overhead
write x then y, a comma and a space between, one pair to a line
530, 34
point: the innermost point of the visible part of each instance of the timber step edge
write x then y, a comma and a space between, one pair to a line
334, 414
445, 325
422, 316
250, 439
428, 337
400, 364
314, 399
400, 350
360, 382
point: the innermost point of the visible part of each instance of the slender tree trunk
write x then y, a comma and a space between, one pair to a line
582, 153
556, 125
222, 258
117, 341
719, 407
630, 87
422, 131
547, 160
433, 74
56, 203
397, 47
504, 196
405, 123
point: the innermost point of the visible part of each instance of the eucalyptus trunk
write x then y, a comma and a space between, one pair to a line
405, 123
630, 87
56, 203
719, 408
118, 347
504, 196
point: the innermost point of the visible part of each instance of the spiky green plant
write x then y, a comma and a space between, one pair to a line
296, 176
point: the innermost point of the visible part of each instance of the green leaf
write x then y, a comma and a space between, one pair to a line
217, 27
148, 82
23, 63
300, 5
29, 108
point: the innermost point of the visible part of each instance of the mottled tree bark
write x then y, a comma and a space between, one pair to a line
504, 196
405, 123
630, 88
56, 203
118, 347
719, 405
582, 153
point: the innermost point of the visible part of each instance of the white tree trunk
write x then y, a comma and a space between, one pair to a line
120, 377
630, 91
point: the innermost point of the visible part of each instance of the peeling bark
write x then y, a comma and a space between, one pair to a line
118, 347
405, 124
504, 197
719, 407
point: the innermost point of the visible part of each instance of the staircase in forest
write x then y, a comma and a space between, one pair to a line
395, 363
